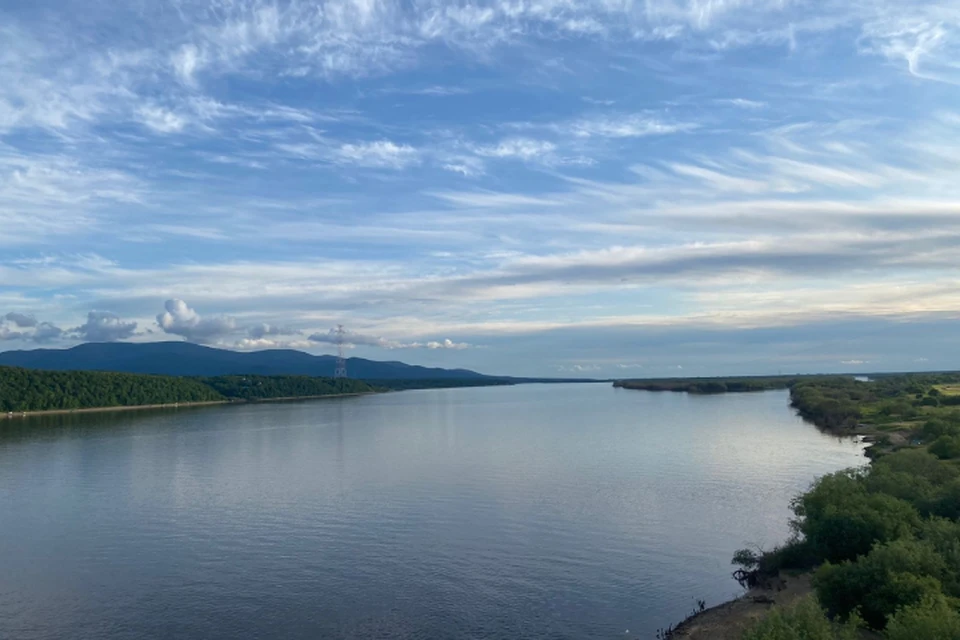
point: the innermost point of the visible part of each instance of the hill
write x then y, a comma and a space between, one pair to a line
186, 359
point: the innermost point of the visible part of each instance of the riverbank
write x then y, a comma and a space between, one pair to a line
728, 621
11, 415
905, 499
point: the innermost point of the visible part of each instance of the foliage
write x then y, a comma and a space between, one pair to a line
272, 387
29, 390
931, 618
709, 385
946, 447
841, 520
891, 576
803, 621
887, 537
24, 390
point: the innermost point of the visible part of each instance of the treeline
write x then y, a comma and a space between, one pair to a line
30, 390
841, 403
884, 541
23, 390
710, 385
439, 383
267, 387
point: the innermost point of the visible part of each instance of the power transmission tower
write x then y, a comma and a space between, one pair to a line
341, 370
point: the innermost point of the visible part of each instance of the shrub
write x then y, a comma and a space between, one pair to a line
892, 576
946, 447
931, 618
804, 621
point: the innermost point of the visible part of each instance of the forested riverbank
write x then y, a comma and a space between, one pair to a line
880, 544
33, 391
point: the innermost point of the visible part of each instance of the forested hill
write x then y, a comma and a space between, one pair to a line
31, 390
185, 359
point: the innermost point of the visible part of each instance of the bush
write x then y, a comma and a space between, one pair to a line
804, 621
946, 447
933, 429
931, 618
892, 576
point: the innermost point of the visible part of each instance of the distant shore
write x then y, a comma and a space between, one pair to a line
12, 415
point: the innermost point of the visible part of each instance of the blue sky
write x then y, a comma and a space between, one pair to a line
542, 187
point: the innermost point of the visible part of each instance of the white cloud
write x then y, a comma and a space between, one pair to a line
186, 61
262, 330
39, 332
525, 149
180, 319
622, 126
103, 326
744, 103
351, 339
161, 120
379, 154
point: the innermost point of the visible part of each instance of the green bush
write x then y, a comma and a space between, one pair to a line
841, 521
933, 429
804, 621
930, 619
946, 447
892, 576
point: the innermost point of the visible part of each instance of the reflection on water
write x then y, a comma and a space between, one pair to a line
563, 511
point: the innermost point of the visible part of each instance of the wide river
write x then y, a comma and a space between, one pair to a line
502, 513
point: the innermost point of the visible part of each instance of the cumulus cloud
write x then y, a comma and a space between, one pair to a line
40, 332
6, 333
103, 326
22, 320
179, 319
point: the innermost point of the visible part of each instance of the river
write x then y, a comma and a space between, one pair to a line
527, 512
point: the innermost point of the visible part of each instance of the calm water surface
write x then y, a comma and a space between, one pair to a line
553, 511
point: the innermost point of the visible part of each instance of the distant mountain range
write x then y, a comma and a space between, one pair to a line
186, 359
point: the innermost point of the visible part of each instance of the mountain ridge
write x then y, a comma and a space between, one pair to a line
187, 359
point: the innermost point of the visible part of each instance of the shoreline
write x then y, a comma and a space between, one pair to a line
729, 619
13, 415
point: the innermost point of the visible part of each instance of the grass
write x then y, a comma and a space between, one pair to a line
948, 389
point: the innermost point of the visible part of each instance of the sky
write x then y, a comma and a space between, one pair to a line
610, 188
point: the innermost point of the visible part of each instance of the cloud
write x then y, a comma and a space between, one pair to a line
447, 343
36, 331
179, 319
161, 120
524, 149
6, 333
103, 326
351, 339
743, 103
380, 154
262, 330
22, 320
622, 126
